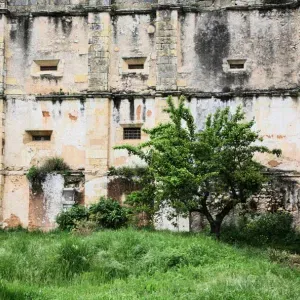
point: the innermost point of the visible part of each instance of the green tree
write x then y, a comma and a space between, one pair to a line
210, 171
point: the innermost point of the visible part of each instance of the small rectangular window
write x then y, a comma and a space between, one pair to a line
41, 138
48, 68
132, 133
237, 64
51, 65
39, 135
136, 66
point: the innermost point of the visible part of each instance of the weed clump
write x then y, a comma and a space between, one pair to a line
36, 175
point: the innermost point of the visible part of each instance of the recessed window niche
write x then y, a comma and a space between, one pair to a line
49, 67
236, 64
134, 65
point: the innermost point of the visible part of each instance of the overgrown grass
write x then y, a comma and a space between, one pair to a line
130, 264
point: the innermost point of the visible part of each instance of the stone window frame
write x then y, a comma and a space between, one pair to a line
131, 124
30, 134
134, 135
134, 60
38, 63
228, 61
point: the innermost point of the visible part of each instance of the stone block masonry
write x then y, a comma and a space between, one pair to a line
84, 71
99, 43
166, 49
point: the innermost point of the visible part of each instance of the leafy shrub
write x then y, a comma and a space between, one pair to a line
68, 220
270, 229
108, 213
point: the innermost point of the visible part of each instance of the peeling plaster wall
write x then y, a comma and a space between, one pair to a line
270, 50
53, 201
125, 113
15, 201
277, 119
66, 118
92, 96
131, 39
46, 38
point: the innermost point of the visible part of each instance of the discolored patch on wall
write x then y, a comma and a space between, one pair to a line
73, 117
138, 112
118, 187
36, 210
12, 222
46, 114
212, 40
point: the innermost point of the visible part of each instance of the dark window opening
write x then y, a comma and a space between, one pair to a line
237, 66
48, 68
132, 133
135, 66
41, 138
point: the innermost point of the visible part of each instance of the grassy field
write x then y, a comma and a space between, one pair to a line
130, 264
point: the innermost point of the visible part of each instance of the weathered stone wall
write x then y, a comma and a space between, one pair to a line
282, 193
131, 38
67, 121
182, 47
31, 40
220, 36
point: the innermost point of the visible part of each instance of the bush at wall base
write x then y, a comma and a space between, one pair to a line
107, 213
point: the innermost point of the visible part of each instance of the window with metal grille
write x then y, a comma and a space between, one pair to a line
41, 138
132, 133
48, 68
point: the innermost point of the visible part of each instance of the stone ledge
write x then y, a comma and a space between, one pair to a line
188, 93
74, 10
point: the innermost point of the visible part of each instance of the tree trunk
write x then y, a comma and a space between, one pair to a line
215, 229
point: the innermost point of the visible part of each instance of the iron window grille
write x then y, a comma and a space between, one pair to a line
132, 133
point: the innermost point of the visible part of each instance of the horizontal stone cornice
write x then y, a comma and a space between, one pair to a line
84, 10
295, 92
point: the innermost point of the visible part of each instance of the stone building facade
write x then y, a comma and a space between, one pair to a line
79, 76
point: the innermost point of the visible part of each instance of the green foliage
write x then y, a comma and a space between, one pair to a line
85, 227
36, 175
192, 169
108, 213
73, 258
141, 200
128, 173
69, 219
270, 229
128, 264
